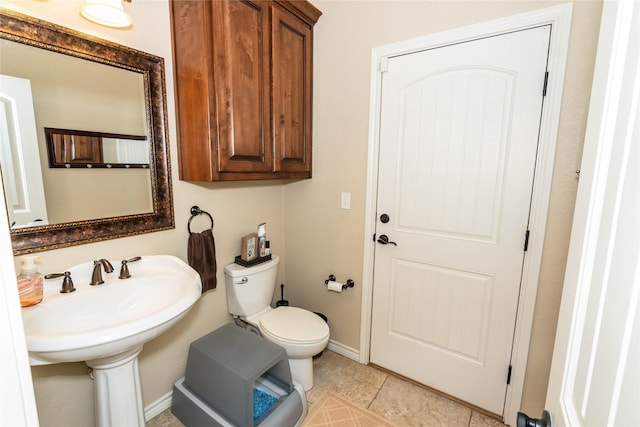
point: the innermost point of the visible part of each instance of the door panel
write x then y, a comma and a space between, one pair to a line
455, 126
425, 304
595, 373
458, 141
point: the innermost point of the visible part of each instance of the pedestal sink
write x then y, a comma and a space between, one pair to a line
106, 326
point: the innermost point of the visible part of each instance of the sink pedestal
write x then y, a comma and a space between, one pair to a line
118, 397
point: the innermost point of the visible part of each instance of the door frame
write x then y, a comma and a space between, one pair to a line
560, 19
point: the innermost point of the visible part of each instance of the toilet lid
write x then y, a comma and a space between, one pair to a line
294, 324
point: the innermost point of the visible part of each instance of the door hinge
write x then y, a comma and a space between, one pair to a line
526, 241
509, 375
546, 80
383, 64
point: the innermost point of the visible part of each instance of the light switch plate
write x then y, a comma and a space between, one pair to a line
345, 201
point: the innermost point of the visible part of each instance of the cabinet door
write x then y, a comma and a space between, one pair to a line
292, 72
241, 76
195, 106
77, 149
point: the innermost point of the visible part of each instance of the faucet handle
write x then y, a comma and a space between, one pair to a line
67, 283
124, 269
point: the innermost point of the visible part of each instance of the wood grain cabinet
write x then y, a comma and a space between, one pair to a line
243, 80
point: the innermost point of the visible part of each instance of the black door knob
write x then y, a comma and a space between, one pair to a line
384, 239
525, 421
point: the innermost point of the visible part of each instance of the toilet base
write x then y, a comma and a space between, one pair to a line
302, 372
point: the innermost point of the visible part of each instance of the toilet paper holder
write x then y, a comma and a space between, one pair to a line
349, 284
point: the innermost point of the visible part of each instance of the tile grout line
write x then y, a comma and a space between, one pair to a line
386, 377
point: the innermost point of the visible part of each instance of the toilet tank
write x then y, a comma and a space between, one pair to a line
250, 289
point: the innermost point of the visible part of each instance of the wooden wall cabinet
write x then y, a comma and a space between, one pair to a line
243, 80
73, 149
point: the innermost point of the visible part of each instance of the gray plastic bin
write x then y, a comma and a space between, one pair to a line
223, 370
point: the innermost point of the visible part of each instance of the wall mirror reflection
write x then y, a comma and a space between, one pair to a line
68, 148
55, 81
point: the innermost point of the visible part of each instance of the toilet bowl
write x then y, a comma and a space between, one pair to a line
300, 332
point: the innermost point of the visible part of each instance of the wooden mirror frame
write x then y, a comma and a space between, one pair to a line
27, 30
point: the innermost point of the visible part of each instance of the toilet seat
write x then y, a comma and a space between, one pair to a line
294, 325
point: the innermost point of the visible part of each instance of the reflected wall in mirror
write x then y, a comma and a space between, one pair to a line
105, 87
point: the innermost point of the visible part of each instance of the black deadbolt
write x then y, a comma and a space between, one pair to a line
384, 218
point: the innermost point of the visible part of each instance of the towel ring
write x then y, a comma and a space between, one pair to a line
195, 211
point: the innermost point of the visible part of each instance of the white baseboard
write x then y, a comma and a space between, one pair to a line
154, 409
343, 350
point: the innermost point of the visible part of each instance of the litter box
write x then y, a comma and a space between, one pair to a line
236, 378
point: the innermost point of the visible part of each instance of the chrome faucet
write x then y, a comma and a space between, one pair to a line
96, 276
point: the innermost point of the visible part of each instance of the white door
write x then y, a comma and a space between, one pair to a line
595, 374
458, 139
17, 400
20, 155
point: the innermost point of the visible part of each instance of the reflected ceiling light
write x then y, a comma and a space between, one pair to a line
109, 13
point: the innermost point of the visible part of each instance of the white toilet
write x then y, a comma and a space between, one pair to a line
301, 332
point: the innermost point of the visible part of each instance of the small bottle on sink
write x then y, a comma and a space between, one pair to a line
29, 282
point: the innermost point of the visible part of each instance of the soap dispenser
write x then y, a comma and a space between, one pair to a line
29, 282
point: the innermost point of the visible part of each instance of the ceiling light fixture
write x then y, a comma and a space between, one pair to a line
109, 13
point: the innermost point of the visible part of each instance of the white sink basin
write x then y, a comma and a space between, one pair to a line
103, 321
106, 326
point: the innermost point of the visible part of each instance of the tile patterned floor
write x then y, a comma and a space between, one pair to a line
333, 411
400, 402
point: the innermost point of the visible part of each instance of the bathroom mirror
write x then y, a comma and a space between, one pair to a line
144, 207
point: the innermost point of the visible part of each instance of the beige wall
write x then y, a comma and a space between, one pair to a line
320, 237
